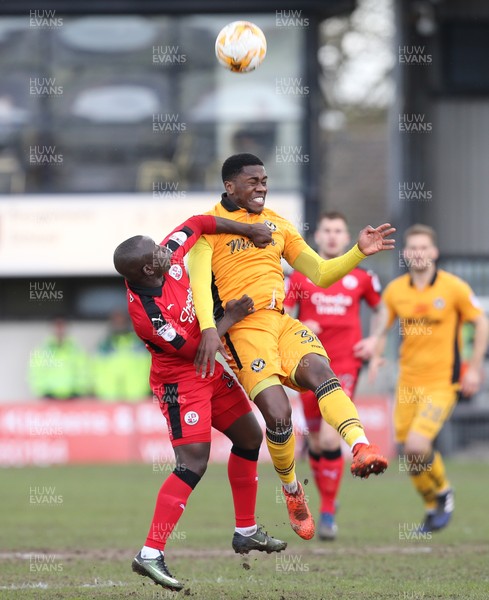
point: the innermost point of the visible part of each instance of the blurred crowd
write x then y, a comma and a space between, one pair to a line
60, 369
117, 371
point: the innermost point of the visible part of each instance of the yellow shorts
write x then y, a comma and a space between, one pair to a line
423, 408
268, 343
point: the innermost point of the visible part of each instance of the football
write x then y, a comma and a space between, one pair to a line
241, 46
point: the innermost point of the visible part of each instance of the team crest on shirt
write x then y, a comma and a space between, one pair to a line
271, 226
191, 418
258, 365
176, 272
350, 282
439, 303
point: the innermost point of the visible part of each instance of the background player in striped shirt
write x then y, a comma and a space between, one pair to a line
333, 314
160, 305
431, 305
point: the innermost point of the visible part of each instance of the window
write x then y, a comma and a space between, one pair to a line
466, 48
123, 103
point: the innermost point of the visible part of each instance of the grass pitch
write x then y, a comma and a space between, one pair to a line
71, 532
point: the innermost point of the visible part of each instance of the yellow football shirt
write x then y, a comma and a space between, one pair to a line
241, 268
233, 266
429, 325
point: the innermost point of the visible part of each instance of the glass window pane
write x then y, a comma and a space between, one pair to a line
119, 103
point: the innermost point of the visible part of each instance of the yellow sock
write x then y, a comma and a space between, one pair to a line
437, 473
282, 450
421, 472
339, 411
425, 487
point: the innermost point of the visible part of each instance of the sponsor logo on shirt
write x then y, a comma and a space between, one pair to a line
239, 244
188, 311
331, 304
191, 418
421, 308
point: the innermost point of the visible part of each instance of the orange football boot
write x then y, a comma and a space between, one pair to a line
367, 459
300, 516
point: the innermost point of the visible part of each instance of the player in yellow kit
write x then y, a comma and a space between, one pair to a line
271, 348
431, 305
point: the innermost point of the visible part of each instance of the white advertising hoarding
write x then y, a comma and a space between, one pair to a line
75, 235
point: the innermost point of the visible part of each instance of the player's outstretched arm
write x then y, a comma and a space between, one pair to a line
326, 272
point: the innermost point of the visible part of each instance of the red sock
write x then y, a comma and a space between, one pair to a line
328, 472
243, 477
170, 505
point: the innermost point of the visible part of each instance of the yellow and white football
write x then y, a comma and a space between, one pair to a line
241, 46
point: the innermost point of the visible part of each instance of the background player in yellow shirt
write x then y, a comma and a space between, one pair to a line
271, 348
431, 305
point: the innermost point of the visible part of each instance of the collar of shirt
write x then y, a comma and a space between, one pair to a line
145, 291
228, 204
433, 279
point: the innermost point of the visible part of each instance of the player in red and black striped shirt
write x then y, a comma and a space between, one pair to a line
163, 315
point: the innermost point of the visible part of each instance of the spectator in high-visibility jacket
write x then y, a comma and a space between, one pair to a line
121, 365
59, 366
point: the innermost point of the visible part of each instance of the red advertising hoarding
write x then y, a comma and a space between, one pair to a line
88, 431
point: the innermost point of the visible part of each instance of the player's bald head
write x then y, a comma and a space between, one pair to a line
132, 255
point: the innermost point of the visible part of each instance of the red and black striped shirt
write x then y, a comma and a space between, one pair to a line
164, 316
